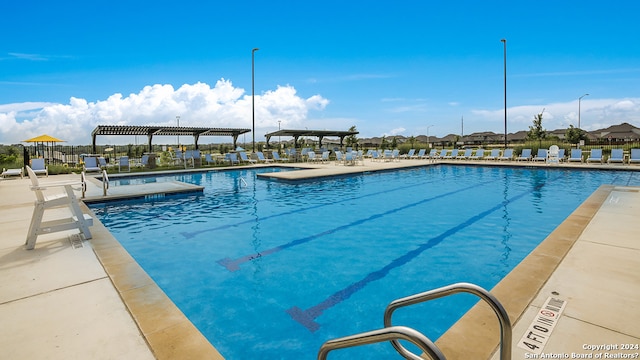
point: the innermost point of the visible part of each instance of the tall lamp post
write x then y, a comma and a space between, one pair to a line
253, 101
579, 100
178, 120
428, 145
504, 41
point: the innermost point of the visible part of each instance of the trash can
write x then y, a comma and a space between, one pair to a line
151, 163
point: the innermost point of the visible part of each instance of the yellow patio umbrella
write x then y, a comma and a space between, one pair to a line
44, 139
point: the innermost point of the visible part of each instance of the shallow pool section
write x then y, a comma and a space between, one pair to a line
270, 270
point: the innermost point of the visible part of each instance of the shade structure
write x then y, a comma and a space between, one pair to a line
44, 139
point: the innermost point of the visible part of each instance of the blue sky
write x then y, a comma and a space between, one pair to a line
387, 67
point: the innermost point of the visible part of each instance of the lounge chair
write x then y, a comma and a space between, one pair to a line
432, 154
478, 155
325, 157
375, 155
144, 161
261, 158
634, 157
595, 156
576, 155
12, 172
443, 153
123, 164
102, 162
525, 155
561, 155
617, 156
75, 220
453, 155
276, 156
467, 154
209, 159
349, 158
552, 154
38, 167
408, 155
91, 164
340, 157
419, 155
506, 155
494, 155
232, 158
541, 155
245, 159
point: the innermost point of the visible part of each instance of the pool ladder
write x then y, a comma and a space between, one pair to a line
395, 333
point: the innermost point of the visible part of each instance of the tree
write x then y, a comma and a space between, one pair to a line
574, 135
383, 143
394, 143
536, 131
412, 141
352, 140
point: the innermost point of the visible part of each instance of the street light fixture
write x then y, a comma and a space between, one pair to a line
504, 41
178, 120
253, 101
579, 100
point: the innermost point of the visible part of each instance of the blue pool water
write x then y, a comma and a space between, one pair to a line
270, 270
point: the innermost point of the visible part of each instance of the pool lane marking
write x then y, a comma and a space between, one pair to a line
234, 264
227, 226
307, 317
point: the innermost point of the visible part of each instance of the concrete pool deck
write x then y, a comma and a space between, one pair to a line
61, 302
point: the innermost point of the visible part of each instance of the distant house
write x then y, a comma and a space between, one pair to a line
622, 132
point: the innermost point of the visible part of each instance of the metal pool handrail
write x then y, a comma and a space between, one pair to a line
105, 182
392, 333
503, 317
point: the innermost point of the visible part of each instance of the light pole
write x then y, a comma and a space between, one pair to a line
178, 120
279, 139
253, 101
504, 41
428, 144
579, 100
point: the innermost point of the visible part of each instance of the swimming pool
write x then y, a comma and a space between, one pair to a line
271, 270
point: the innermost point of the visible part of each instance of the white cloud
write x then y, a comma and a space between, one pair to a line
198, 105
594, 114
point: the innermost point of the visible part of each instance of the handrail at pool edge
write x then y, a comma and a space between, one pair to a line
501, 313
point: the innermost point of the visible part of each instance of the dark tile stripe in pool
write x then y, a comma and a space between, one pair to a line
233, 265
307, 317
192, 234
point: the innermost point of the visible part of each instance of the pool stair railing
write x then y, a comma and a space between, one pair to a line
395, 333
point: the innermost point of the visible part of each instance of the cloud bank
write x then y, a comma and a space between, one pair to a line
198, 105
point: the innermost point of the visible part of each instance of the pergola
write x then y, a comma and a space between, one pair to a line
150, 131
320, 134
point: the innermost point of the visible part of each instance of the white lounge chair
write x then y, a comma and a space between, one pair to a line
617, 156
75, 220
12, 172
38, 167
91, 164
595, 156
552, 155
